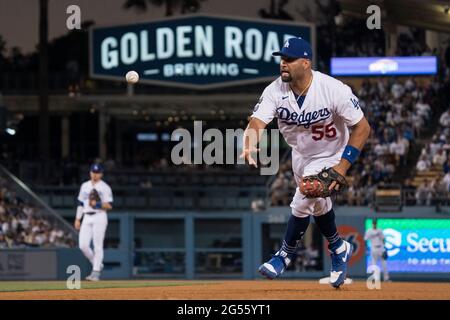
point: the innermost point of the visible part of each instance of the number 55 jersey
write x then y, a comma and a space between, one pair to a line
315, 125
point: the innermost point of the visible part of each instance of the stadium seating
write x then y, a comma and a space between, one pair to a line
431, 176
26, 223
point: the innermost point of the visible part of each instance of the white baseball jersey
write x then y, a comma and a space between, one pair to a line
376, 237
317, 132
93, 227
103, 189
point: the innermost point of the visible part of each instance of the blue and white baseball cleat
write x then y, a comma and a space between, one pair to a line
275, 267
339, 263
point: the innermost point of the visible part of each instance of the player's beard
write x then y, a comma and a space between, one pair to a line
286, 78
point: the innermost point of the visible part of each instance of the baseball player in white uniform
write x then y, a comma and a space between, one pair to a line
95, 219
377, 248
314, 112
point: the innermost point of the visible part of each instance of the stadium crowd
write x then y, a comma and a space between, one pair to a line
411, 44
355, 40
21, 225
434, 157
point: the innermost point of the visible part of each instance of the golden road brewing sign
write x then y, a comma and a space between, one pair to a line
193, 51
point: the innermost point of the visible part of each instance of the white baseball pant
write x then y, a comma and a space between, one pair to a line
376, 255
93, 228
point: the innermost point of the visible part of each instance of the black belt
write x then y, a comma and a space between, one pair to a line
90, 213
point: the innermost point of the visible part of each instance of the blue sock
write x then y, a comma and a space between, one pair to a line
327, 225
296, 228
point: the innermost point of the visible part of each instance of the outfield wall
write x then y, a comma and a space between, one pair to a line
231, 245
40, 264
195, 245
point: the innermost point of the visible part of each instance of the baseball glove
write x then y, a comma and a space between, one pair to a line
384, 255
94, 196
317, 186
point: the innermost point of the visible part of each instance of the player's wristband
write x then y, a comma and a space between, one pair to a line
98, 205
350, 154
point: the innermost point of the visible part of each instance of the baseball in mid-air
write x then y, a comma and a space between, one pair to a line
132, 77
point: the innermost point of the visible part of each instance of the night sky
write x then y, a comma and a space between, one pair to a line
19, 22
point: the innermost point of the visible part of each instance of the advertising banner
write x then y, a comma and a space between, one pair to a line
415, 245
193, 51
28, 264
384, 66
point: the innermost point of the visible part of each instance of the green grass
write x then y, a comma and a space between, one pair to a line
15, 286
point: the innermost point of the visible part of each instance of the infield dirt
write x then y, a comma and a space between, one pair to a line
248, 290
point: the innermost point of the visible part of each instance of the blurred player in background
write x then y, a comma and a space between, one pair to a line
377, 249
94, 199
313, 111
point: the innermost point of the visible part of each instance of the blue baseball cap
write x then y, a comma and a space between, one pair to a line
97, 168
295, 48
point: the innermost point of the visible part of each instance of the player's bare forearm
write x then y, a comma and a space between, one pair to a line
358, 138
252, 134
360, 134
77, 224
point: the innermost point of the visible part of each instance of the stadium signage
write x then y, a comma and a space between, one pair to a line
425, 244
28, 264
416, 245
384, 66
193, 51
353, 236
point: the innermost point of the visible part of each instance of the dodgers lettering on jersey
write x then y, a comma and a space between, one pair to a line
317, 130
104, 191
375, 236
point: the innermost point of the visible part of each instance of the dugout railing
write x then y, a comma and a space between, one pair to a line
34, 172
163, 198
217, 198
